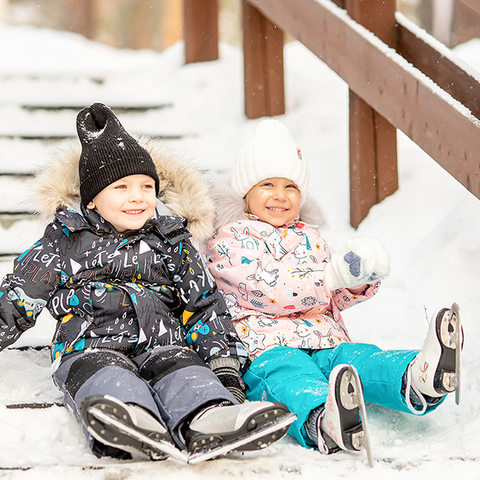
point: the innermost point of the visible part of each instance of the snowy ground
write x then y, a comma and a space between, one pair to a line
431, 227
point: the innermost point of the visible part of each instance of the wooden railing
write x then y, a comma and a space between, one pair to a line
399, 78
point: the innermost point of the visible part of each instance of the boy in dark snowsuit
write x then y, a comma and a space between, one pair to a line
144, 350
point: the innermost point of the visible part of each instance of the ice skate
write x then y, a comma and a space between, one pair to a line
435, 370
344, 420
129, 428
218, 430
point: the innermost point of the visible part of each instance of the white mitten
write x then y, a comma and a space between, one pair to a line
361, 260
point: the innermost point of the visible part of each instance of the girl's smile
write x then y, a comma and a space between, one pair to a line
274, 200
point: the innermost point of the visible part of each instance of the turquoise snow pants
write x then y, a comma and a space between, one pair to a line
299, 378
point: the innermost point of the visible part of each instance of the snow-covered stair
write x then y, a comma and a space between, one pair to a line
33, 122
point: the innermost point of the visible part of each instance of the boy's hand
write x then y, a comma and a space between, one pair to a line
361, 260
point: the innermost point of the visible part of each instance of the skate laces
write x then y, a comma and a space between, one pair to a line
323, 446
410, 387
312, 427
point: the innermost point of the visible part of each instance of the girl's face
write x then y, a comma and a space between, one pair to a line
274, 200
127, 203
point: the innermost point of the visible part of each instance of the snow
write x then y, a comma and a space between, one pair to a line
363, 33
431, 226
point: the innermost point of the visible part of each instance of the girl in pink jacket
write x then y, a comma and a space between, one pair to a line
286, 289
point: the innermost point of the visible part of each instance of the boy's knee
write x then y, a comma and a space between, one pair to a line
165, 360
90, 363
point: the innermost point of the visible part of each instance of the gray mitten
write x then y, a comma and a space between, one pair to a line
226, 369
361, 260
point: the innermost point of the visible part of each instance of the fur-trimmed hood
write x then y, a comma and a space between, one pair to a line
183, 189
229, 206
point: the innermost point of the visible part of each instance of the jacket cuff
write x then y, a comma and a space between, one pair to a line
224, 362
330, 279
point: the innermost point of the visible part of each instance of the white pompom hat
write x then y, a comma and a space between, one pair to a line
271, 152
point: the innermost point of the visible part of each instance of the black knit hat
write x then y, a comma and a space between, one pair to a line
109, 153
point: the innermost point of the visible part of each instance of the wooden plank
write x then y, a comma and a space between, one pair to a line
373, 140
18, 227
385, 80
200, 30
59, 137
440, 64
15, 192
120, 108
474, 4
22, 158
18, 234
263, 65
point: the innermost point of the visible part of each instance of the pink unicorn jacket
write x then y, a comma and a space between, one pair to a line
272, 281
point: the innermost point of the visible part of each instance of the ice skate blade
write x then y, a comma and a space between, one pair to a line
450, 336
362, 440
446, 369
279, 429
455, 319
160, 446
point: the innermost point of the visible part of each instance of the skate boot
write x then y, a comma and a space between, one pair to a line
435, 371
344, 419
128, 427
220, 429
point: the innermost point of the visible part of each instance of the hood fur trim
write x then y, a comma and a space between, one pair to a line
229, 206
183, 190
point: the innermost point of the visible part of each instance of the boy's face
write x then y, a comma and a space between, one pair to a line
127, 203
274, 200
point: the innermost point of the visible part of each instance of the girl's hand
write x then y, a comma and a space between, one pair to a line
361, 260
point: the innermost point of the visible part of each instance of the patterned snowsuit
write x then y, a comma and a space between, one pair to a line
139, 318
291, 323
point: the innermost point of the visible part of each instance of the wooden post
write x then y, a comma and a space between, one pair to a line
200, 30
263, 65
80, 16
4, 4
373, 139
172, 14
140, 25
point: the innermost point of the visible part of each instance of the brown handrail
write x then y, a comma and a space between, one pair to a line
433, 99
474, 4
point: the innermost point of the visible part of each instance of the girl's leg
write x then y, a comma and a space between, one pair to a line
436, 370
288, 375
382, 373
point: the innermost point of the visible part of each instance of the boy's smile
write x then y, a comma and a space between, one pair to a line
274, 200
127, 203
